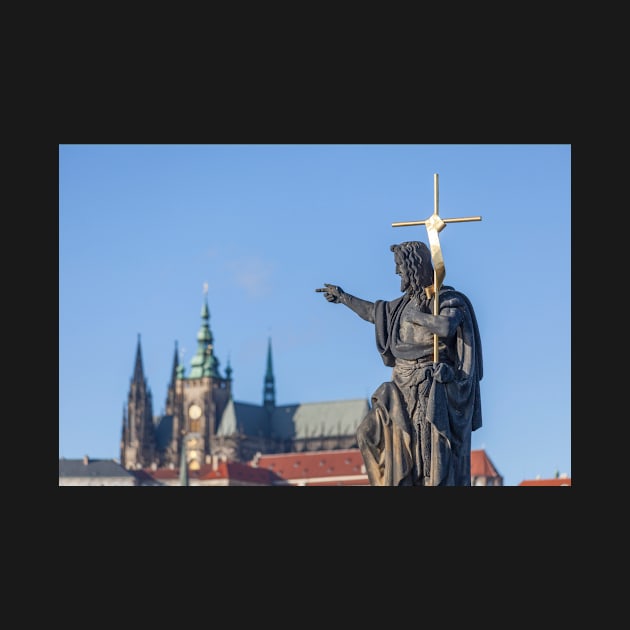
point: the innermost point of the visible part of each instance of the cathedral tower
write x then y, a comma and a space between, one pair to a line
196, 402
137, 445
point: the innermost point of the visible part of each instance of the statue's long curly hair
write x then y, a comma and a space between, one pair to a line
415, 258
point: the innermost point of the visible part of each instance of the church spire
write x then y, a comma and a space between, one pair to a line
204, 363
138, 433
269, 395
175, 365
138, 371
171, 392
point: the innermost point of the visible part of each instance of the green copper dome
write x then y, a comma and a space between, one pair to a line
204, 363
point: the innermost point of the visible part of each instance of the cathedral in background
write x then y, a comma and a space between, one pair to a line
202, 420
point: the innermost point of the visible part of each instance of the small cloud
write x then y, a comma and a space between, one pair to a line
211, 252
252, 274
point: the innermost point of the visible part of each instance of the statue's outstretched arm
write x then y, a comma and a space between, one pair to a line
336, 295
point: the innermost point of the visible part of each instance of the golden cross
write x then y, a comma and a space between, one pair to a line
436, 224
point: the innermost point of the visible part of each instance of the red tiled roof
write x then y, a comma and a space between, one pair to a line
224, 470
345, 467
556, 481
237, 471
342, 467
163, 473
322, 468
480, 465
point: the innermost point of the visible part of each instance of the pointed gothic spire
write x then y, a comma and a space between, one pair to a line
269, 395
138, 428
175, 365
138, 371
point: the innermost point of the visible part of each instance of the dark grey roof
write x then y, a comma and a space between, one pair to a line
283, 421
340, 417
93, 468
241, 417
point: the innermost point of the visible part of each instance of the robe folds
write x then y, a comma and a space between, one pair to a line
418, 429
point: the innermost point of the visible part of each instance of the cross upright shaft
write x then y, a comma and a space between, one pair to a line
436, 224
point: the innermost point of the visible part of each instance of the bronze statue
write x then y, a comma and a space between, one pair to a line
418, 430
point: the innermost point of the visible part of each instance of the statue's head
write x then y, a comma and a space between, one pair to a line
413, 264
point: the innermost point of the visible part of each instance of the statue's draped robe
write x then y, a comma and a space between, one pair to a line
441, 399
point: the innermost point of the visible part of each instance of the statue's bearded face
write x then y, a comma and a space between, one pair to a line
401, 270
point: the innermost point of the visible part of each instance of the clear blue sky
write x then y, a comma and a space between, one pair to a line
143, 227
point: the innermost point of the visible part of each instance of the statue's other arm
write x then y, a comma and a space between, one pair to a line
443, 325
337, 295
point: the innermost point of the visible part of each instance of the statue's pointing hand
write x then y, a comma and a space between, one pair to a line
331, 292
